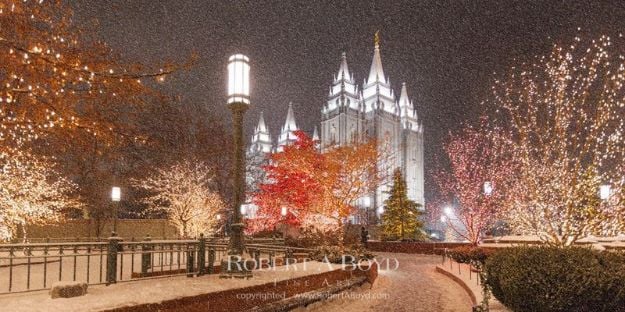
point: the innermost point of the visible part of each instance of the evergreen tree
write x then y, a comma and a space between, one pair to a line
401, 218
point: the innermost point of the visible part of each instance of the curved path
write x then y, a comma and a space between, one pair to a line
413, 286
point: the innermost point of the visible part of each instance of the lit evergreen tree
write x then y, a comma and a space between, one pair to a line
401, 218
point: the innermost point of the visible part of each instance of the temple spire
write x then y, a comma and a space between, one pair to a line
262, 127
290, 124
376, 73
404, 101
261, 140
406, 107
343, 69
286, 135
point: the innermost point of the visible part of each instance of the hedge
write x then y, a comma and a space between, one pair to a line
557, 279
476, 256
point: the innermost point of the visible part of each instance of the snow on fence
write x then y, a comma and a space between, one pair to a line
36, 266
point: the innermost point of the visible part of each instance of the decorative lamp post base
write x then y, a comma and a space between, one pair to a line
236, 267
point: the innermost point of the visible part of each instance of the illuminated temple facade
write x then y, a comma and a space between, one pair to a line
354, 113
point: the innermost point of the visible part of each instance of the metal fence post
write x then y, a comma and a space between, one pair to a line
146, 256
190, 259
201, 255
111, 259
256, 255
211, 260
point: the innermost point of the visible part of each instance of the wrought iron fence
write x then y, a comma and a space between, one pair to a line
79, 239
36, 266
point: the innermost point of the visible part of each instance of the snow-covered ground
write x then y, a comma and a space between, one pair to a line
414, 286
102, 297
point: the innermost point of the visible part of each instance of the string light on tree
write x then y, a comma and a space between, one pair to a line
565, 112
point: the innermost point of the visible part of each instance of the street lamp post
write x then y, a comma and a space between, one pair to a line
116, 196
283, 212
238, 102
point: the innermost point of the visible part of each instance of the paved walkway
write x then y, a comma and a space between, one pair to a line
414, 286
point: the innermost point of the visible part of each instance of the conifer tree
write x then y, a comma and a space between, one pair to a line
401, 218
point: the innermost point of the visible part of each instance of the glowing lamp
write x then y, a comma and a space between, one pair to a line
116, 194
488, 188
218, 217
366, 201
283, 211
604, 192
449, 211
243, 209
238, 79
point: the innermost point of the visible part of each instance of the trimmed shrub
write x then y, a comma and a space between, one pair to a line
557, 279
475, 256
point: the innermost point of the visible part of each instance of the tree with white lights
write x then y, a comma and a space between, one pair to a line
184, 193
31, 192
565, 112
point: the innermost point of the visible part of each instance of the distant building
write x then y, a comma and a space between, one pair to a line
352, 114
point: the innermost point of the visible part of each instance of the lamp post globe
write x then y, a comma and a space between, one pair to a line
116, 197
605, 192
488, 188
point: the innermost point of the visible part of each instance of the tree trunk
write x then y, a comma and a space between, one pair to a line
341, 235
24, 236
184, 229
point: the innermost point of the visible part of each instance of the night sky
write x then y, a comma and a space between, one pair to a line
445, 51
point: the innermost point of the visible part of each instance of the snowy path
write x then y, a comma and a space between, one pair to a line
414, 286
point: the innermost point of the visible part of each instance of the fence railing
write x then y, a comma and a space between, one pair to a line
36, 266
36, 240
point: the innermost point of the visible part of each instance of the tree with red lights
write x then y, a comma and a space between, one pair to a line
476, 182
293, 183
316, 189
